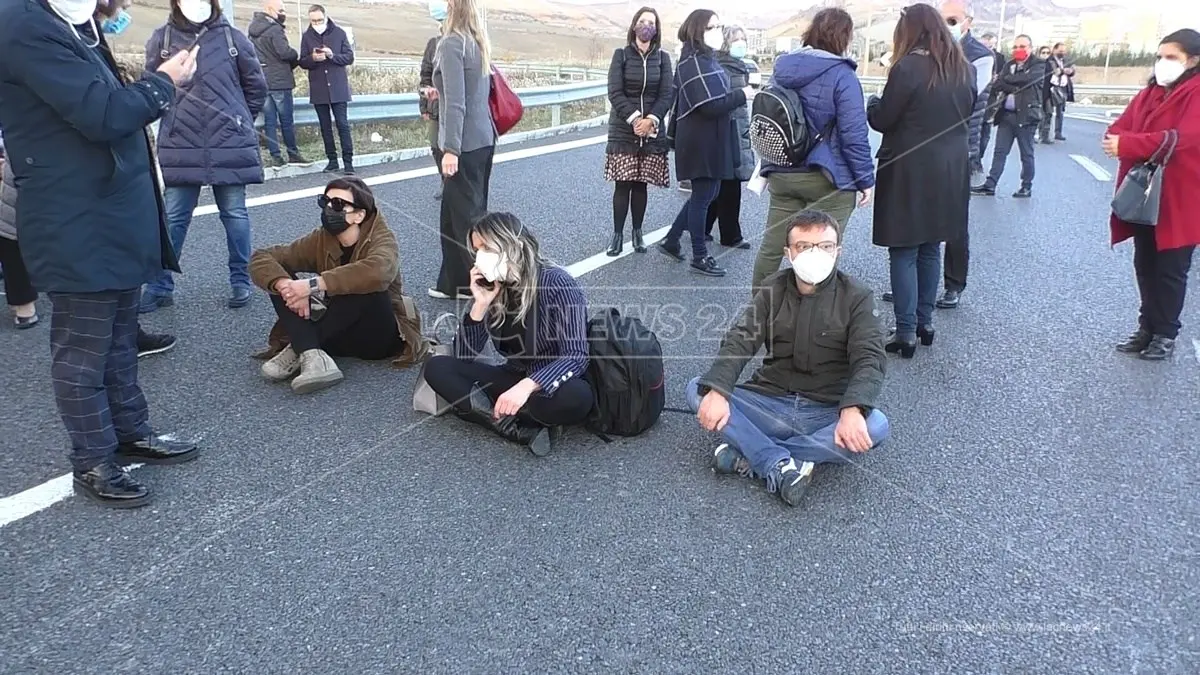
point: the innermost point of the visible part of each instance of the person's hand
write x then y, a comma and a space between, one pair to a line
1111, 145
431, 93
318, 55
851, 431
425, 116
483, 297
181, 67
300, 307
864, 196
293, 289
714, 411
449, 164
328, 51
511, 401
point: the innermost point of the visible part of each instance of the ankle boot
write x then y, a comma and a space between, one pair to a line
515, 428
618, 243
639, 244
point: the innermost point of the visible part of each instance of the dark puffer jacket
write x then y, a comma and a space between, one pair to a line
277, 57
739, 71
208, 137
639, 83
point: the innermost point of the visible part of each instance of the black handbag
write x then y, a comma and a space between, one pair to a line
1138, 197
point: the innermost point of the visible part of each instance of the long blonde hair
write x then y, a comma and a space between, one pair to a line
463, 17
505, 233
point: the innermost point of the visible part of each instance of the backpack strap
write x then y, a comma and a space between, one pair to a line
229, 43
165, 52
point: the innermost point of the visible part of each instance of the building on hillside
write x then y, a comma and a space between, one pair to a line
757, 42
1132, 31
787, 44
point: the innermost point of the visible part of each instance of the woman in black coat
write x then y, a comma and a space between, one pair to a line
704, 132
923, 180
639, 89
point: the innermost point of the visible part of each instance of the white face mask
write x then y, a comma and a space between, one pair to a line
196, 11
714, 38
491, 265
74, 12
320, 27
813, 266
1166, 72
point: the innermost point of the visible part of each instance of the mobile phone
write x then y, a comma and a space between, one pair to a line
484, 283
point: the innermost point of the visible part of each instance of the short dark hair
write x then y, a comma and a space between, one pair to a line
363, 197
1026, 37
316, 8
811, 220
831, 30
1059, 44
631, 37
988, 36
694, 27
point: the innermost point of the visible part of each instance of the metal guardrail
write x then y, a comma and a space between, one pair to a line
1081, 90
558, 71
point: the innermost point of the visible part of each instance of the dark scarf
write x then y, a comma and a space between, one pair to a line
698, 80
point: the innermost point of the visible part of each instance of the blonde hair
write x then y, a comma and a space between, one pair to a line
464, 17
505, 234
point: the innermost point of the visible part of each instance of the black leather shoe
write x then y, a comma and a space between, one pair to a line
1023, 193
1159, 349
887, 296
667, 250
925, 335
983, 191
1135, 343
616, 245
111, 486
639, 244
905, 348
708, 267
156, 450
949, 300
239, 297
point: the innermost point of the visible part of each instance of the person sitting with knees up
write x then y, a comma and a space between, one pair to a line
354, 307
813, 399
534, 314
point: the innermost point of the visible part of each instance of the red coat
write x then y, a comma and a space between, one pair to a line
1141, 129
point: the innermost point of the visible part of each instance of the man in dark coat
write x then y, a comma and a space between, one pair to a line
1017, 96
325, 51
90, 215
278, 61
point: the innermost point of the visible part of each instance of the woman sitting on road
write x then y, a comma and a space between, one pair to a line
534, 314
1162, 254
354, 306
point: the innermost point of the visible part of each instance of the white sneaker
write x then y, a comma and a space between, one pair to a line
318, 370
282, 366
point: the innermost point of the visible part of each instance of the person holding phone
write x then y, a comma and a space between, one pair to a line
325, 52
534, 314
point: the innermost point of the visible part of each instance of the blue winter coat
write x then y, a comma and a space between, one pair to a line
208, 137
831, 95
328, 81
89, 211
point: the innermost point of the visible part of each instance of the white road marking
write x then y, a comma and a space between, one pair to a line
399, 176
1091, 118
1098, 172
1196, 346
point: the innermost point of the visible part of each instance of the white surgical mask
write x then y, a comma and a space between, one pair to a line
74, 12
491, 265
956, 31
196, 11
738, 49
813, 266
320, 27
1166, 72
714, 38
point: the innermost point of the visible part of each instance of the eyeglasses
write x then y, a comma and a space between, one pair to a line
335, 203
952, 21
802, 246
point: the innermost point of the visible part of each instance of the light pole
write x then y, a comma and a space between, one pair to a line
1000, 33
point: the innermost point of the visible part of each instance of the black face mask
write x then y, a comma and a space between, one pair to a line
334, 222
281, 19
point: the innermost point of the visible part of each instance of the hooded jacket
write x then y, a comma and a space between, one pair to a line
277, 57
832, 97
982, 59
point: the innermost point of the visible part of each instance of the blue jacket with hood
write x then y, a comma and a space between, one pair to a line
832, 96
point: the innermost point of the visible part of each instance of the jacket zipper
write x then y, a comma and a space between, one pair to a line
642, 95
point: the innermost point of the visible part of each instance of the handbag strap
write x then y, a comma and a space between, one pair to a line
1166, 149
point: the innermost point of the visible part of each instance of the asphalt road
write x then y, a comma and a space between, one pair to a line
1034, 511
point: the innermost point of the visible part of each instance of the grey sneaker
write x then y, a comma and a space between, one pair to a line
791, 481
283, 366
317, 371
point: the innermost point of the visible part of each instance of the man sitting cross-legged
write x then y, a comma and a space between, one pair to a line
813, 400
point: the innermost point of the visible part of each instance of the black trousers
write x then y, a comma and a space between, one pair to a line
957, 259
464, 200
17, 287
727, 210
338, 113
1162, 282
357, 326
452, 379
94, 369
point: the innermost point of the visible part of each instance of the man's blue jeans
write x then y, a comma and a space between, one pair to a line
231, 204
770, 429
278, 110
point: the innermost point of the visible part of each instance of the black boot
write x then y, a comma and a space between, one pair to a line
617, 244
1135, 343
512, 428
1159, 349
639, 244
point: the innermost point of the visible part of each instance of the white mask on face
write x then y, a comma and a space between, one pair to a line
491, 265
196, 11
813, 266
1166, 72
320, 27
714, 38
74, 12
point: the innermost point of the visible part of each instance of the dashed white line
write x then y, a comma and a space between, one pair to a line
1098, 172
1196, 346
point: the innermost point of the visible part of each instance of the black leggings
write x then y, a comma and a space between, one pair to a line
17, 286
357, 326
452, 379
629, 193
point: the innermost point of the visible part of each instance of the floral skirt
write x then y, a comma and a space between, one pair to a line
637, 168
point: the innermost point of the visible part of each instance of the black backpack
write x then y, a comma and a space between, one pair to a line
779, 132
626, 375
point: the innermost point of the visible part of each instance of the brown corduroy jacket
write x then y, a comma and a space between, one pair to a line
373, 267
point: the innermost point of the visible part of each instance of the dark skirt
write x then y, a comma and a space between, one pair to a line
637, 168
